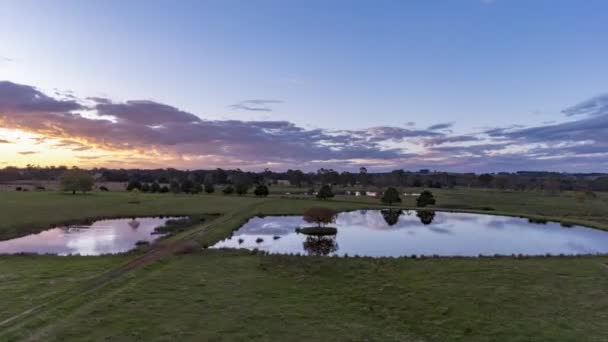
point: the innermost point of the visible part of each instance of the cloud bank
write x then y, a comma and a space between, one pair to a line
161, 135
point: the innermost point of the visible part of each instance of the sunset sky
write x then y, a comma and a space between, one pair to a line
454, 85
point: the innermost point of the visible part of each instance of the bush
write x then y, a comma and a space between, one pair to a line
261, 191
228, 190
242, 189
145, 187
425, 198
103, 188
134, 184
155, 187
325, 192
390, 196
209, 188
164, 189
317, 231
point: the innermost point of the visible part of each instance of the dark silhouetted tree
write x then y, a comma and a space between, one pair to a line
425, 198
390, 196
261, 191
76, 180
325, 192
319, 215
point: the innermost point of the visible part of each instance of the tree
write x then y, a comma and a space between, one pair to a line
228, 190
261, 191
485, 179
133, 184
174, 187
187, 186
164, 189
242, 189
145, 187
425, 198
390, 196
319, 215
76, 180
197, 188
155, 187
325, 192
209, 188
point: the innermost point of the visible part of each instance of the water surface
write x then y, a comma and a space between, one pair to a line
401, 233
100, 237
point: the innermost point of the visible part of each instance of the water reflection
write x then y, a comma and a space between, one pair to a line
384, 233
320, 245
100, 237
426, 216
391, 216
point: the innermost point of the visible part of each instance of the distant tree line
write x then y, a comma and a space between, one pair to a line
196, 181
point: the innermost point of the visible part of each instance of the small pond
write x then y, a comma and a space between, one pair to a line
384, 233
100, 237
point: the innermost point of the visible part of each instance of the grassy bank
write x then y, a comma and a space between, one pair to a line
238, 296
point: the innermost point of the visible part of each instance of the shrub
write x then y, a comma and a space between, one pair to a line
164, 189
325, 192
390, 196
261, 191
425, 198
155, 187
242, 189
228, 190
134, 184
209, 188
103, 188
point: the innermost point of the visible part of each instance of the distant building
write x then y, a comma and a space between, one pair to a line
371, 193
283, 182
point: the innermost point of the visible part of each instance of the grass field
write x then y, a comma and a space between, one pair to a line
231, 295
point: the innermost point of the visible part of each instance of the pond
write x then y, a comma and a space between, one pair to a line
384, 233
100, 237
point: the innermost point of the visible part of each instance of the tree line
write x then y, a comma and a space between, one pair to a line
189, 180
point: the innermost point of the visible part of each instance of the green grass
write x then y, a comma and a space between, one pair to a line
28, 281
230, 295
239, 296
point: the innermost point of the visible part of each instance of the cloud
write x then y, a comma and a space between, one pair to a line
154, 134
4, 141
25, 99
595, 106
257, 105
25, 153
440, 126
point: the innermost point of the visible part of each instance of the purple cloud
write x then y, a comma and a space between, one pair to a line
157, 134
257, 105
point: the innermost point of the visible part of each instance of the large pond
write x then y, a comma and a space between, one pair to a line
100, 237
386, 233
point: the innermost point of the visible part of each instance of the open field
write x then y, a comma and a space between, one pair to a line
235, 295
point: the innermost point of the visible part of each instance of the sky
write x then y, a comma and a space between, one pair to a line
452, 85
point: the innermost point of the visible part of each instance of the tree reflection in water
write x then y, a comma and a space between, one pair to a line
391, 216
425, 216
320, 245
